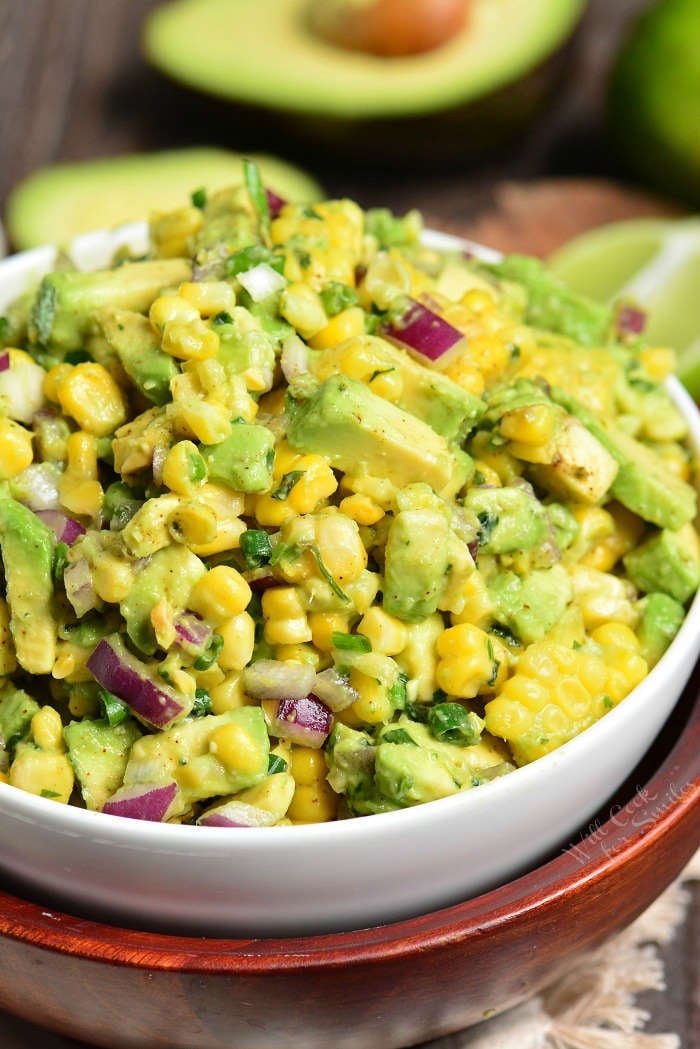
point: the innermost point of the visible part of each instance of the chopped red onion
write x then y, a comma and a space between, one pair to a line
160, 454
294, 359
192, 632
261, 281
259, 579
144, 801
117, 670
80, 591
630, 320
275, 679
64, 528
236, 814
4, 361
306, 721
334, 690
274, 203
424, 331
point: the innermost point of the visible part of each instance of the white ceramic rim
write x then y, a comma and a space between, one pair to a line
171, 838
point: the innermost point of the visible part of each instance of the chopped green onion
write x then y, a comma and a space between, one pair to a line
245, 258
397, 693
114, 709
255, 547
451, 723
60, 560
398, 735
330, 579
222, 317
276, 764
337, 297
351, 642
284, 552
258, 196
198, 468
286, 485
211, 653
46, 793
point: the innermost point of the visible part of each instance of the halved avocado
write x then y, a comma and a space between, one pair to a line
57, 203
264, 53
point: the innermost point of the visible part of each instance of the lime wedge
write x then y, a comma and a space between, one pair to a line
655, 262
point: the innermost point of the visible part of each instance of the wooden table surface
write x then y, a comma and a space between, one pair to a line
73, 85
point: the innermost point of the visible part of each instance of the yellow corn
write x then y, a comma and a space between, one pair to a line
238, 633
302, 308
171, 232
313, 804
79, 490
235, 748
47, 729
285, 616
374, 706
112, 578
89, 394
192, 523
361, 509
467, 661
345, 325
323, 625
298, 653
189, 341
209, 297
340, 546
16, 451
228, 694
532, 425
172, 309
308, 766
207, 421
220, 594
658, 362
52, 378
386, 633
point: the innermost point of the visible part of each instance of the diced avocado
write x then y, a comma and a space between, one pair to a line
426, 393
667, 561
99, 753
410, 775
350, 756
147, 530
186, 753
416, 558
273, 794
171, 573
17, 709
661, 619
643, 483
552, 305
465, 764
244, 460
565, 525
353, 428
243, 344
65, 305
137, 346
27, 553
511, 518
531, 605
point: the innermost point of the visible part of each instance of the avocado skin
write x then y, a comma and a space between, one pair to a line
653, 100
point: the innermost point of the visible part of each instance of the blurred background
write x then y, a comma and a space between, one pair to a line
594, 119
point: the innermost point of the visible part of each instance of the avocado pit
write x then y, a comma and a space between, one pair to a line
388, 28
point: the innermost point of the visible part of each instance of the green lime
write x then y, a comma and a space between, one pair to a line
655, 262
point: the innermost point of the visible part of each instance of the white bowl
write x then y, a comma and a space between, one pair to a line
336, 876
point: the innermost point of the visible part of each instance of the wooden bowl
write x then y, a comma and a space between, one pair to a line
389, 986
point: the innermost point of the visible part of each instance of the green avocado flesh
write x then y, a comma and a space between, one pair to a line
263, 52
57, 203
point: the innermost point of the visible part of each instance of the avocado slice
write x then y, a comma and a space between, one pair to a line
99, 753
59, 202
666, 561
661, 619
137, 346
643, 483
17, 709
27, 553
171, 573
65, 304
244, 460
355, 429
264, 53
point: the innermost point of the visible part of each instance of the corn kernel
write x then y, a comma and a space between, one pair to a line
220, 594
184, 468
308, 766
345, 325
171, 232
235, 748
386, 633
273, 512
340, 546
313, 804
192, 523
374, 706
209, 422
172, 309
79, 490
47, 729
287, 631
466, 661
238, 633
531, 424
190, 342
112, 578
52, 379
302, 308
209, 297
89, 394
298, 653
361, 509
228, 694
479, 301
16, 451
323, 625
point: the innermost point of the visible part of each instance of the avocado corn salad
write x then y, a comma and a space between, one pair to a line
301, 519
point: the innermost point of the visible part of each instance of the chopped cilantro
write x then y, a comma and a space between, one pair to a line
398, 735
337, 297
451, 723
199, 198
397, 693
350, 642
46, 793
488, 522
255, 547
329, 578
222, 317
60, 560
202, 704
114, 709
286, 485
211, 653
276, 764
44, 311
